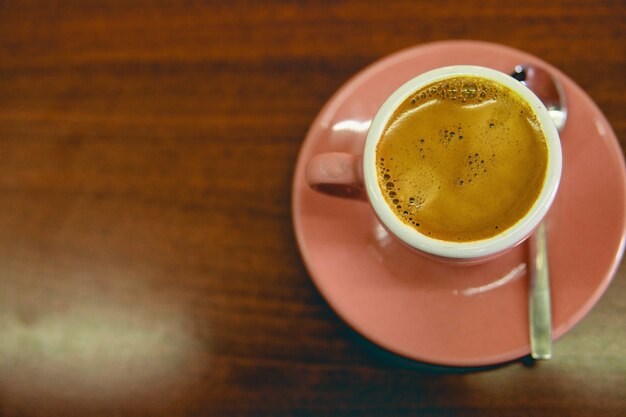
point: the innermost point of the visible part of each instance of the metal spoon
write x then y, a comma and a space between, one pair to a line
549, 90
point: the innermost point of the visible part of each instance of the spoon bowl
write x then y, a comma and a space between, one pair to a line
547, 88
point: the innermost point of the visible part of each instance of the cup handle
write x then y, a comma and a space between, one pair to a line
337, 173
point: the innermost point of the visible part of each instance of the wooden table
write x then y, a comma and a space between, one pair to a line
148, 264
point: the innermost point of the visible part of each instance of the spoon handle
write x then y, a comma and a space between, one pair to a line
540, 314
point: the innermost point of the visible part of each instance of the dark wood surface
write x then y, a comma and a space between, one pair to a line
147, 260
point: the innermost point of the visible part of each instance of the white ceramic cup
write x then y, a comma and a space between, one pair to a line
354, 175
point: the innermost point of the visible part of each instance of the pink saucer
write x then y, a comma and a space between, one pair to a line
453, 315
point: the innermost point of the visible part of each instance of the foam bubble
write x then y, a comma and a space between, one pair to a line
469, 89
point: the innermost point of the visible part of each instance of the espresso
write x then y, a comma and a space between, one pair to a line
462, 159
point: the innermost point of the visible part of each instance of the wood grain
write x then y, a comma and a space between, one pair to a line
147, 260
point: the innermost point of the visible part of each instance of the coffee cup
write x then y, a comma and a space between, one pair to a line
460, 163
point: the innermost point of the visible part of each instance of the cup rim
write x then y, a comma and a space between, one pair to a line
508, 238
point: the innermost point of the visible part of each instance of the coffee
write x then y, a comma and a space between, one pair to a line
462, 159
